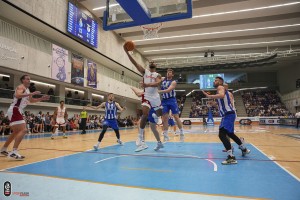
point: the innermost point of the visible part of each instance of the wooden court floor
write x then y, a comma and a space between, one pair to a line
272, 140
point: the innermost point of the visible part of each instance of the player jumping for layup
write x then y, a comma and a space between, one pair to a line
150, 99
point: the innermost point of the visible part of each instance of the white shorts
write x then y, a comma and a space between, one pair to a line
151, 102
60, 122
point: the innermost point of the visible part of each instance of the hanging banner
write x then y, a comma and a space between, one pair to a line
92, 74
77, 70
60, 66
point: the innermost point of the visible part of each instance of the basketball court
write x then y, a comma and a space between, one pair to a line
168, 33
189, 170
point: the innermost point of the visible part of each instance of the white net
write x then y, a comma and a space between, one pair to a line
151, 30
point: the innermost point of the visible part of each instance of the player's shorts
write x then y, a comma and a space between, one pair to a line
150, 118
170, 104
15, 116
227, 122
112, 123
151, 102
171, 122
60, 122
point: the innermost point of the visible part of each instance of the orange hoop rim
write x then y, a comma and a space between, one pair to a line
154, 28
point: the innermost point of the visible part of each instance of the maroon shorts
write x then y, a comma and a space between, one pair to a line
15, 116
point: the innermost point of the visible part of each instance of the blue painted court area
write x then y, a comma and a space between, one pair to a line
182, 167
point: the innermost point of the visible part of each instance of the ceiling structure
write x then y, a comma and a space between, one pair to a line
232, 30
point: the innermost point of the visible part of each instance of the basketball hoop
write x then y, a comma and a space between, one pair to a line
151, 30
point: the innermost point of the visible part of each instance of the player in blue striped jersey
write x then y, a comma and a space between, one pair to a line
110, 119
169, 102
226, 128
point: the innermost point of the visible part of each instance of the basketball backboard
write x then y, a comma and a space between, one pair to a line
124, 13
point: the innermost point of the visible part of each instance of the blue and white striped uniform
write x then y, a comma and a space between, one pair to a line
111, 115
169, 101
225, 104
227, 112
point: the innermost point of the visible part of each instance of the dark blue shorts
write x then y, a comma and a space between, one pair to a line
228, 122
170, 104
150, 118
171, 122
112, 123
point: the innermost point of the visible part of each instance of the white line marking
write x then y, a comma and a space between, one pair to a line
271, 157
38, 161
215, 165
290, 173
51, 158
109, 158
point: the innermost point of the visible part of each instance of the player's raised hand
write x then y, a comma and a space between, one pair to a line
204, 93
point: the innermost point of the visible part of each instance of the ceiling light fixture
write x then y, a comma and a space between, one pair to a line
42, 83
103, 7
247, 10
223, 45
219, 32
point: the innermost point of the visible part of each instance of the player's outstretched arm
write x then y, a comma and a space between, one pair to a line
153, 84
220, 93
137, 92
102, 105
138, 66
119, 107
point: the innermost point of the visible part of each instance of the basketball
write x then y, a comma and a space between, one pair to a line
129, 45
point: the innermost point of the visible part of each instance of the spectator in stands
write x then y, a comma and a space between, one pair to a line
32, 87
297, 115
50, 92
47, 122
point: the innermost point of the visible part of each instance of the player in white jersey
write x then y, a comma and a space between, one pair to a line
151, 97
15, 112
60, 118
152, 125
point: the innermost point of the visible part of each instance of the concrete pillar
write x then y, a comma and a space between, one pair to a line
16, 81
88, 96
60, 92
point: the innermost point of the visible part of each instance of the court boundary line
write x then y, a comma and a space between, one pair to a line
2, 170
132, 187
290, 173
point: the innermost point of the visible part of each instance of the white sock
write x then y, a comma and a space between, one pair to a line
181, 131
141, 133
15, 149
98, 144
230, 152
4, 149
165, 132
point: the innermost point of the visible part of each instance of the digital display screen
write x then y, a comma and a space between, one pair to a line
82, 26
207, 80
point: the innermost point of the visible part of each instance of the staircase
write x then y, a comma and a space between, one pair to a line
239, 105
186, 107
